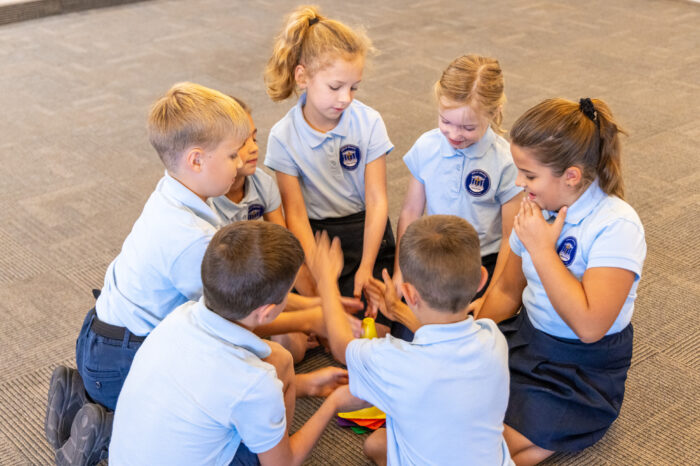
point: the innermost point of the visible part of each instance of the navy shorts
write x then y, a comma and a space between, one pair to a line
244, 457
104, 362
351, 231
564, 394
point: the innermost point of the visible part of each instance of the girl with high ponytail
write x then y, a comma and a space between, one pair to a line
328, 152
577, 251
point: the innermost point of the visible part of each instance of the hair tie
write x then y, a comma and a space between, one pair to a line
313, 21
588, 109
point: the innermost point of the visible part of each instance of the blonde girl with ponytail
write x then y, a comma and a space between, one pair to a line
328, 152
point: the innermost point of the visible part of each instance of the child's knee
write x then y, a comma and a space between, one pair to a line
282, 361
295, 343
375, 447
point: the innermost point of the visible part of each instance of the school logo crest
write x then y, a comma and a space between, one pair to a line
255, 211
567, 250
477, 183
350, 157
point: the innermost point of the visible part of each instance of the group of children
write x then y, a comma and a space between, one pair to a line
508, 304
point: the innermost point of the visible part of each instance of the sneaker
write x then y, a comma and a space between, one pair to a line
89, 437
66, 396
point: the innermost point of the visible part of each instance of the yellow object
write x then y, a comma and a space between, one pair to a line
366, 413
369, 330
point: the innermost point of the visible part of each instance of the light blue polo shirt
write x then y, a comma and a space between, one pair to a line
471, 183
196, 389
599, 231
330, 166
260, 196
159, 266
444, 394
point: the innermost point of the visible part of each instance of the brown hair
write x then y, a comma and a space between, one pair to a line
561, 135
440, 255
248, 265
313, 41
476, 81
190, 114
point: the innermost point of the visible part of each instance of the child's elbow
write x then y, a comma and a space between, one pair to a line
591, 335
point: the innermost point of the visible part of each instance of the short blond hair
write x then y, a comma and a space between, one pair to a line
192, 115
476, 81
314, 41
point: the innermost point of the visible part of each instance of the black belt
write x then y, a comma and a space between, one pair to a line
108, 330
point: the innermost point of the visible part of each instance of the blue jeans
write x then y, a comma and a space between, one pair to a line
103, 362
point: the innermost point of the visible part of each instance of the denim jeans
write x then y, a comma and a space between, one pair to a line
103, 362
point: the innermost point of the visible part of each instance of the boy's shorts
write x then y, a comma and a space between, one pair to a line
244, 457
104, 354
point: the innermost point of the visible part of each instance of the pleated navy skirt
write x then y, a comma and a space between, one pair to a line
564, 394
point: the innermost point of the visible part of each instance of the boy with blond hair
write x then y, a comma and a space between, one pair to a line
444, 393
197, 133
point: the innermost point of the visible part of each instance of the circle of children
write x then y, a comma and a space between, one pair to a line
468, 369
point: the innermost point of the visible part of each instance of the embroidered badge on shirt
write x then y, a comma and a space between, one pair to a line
350, 157
477, 183
567, 250
255, 211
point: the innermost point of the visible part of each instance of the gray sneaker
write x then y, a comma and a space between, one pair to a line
66, 397
89, 437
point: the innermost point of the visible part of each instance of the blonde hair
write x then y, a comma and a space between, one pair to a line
563, 134
311, 40
189, 115
476, 81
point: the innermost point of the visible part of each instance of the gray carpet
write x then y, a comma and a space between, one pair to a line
76, 166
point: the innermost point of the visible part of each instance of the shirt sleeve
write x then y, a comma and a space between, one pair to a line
272, 195
507, 189
515, 245
411, 159
186, 270
621, 245
259, 417
278, 158
379, 143
364, 361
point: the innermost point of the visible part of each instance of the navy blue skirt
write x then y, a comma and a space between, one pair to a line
351, 231
564, 394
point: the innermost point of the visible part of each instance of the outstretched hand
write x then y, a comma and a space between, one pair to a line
383, 295
327, 261
534, 231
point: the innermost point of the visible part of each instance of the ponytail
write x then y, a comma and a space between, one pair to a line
563, 134
311, 40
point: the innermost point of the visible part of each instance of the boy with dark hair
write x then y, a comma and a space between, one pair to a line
445, 393
203, 388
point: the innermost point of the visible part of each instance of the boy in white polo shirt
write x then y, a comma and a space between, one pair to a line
445, 393
197, 133
203, 388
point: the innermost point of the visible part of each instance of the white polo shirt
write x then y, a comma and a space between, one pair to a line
159, 266
471, 183
599, 231
445, 393
330, 166
260, 196
196, 389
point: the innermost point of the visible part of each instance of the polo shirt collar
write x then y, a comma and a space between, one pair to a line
582, 206
226, 330
178, 192
315, 138
474, 151
436, 333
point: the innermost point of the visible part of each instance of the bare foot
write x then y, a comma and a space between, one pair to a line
321, 382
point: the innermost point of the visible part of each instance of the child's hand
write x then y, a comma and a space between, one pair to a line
383, 295
534, 231
322, 382
327, 261
351, 304
346, 401
362, 276
475, 307
398, 281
